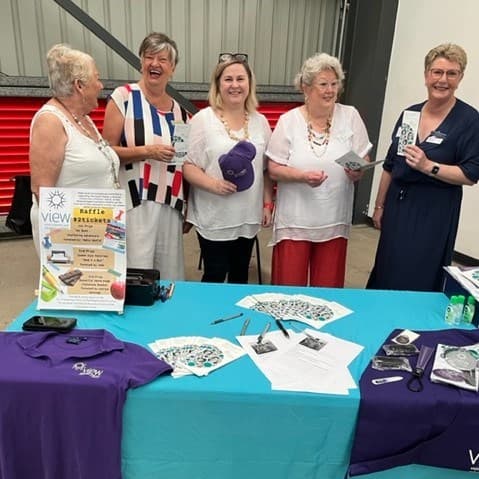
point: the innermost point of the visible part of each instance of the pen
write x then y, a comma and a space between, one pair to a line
390, 379
261, 336
245, 327
171, 290
277, 321
222, 320
280, 326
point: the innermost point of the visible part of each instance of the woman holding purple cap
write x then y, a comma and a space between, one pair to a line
315, 194
231, 194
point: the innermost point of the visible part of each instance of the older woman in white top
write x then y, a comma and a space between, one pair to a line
230, 195
66, 149
315, 195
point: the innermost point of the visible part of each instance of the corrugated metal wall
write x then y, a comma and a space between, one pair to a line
277, 34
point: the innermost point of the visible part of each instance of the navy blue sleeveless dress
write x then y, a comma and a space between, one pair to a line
421, 213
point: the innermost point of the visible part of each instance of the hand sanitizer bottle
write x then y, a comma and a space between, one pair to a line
451, 310
459, 309
469, 310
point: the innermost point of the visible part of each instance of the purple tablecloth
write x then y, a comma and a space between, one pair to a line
438, 426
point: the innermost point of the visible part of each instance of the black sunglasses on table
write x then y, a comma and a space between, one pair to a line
226, 57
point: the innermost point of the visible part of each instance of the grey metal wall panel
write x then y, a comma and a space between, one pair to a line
8, 37
277, 34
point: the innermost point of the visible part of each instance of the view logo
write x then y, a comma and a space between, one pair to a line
56, 216
474, 458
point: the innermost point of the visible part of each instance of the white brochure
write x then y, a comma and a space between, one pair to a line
409, 127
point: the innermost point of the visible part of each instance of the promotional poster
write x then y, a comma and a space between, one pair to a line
83, 249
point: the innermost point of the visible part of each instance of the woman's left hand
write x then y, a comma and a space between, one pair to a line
187, 227
267, 217
354, 175
416, 158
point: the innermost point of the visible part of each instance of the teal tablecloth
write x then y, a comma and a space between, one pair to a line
230, 425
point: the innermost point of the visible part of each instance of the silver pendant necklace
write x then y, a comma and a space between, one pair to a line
318, 140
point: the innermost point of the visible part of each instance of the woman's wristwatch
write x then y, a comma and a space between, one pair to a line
435, 169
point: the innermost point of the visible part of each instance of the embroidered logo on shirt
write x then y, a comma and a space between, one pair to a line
84, 370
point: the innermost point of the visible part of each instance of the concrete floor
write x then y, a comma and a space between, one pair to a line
20, 267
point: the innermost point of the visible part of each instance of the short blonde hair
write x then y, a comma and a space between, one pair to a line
449, 51
214, 96
65, 65
315, 64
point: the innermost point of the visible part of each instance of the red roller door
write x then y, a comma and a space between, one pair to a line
15, 116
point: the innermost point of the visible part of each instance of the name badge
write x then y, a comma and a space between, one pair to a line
436, 137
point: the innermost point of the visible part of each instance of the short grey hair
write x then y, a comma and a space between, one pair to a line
317, 63
156, 42
65, 65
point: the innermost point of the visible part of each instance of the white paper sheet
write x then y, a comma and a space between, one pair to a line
295, 367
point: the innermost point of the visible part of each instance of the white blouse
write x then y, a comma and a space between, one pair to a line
217, 217
324, 212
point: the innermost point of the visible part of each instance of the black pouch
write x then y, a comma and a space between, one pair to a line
18, 219
142, 288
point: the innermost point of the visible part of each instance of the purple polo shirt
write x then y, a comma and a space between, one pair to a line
61, 402
438, 426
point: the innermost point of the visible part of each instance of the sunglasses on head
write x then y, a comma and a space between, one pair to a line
226, 57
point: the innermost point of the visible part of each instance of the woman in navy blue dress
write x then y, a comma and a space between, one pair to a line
419, 197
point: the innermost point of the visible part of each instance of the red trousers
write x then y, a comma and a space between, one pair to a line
324, 263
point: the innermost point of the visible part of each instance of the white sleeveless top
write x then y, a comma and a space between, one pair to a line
84, 165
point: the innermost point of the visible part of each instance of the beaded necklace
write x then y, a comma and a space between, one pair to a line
99, 141
318, 140
231, 134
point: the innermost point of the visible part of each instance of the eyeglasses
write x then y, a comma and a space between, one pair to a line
323, 85
437, 74
227, 57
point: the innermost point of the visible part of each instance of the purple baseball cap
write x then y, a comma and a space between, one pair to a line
236, 165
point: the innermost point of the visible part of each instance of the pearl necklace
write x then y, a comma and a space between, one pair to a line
318, 140
99, 141
231, 134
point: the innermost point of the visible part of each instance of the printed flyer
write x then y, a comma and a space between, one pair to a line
408, 131
180, 142
82, 249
